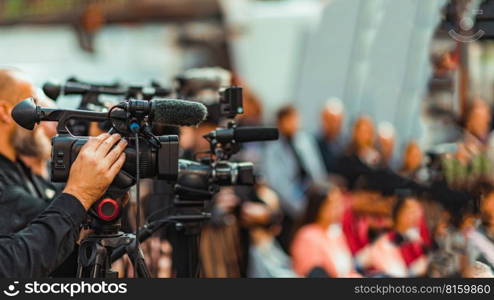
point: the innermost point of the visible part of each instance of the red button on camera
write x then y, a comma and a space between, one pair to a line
108, 209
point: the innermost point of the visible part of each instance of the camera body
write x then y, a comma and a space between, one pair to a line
200, 180
155, 162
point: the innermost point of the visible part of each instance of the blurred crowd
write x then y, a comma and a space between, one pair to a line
324, 205
330, 205
427, 214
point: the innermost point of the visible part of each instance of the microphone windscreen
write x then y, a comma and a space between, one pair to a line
51, 90
252, 134
178, 112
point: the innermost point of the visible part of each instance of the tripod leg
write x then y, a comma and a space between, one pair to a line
185, 253
99, 268
80, 267
137, 259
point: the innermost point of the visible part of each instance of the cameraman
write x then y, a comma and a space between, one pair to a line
23, 195
48, 240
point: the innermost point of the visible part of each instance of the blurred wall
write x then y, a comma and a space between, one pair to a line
268, 41
374, 55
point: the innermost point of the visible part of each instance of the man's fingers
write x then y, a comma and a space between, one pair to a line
105, 146
114, 154
93, 142
115, 168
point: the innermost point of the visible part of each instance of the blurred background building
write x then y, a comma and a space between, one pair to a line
377, 56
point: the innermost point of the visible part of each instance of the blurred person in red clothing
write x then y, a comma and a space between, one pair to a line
402, 252
320, 242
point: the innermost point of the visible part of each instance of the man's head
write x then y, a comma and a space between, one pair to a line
363, 132
14, 87
487, 207
406, 213
288, 121
331, 118
36, 143
413, 157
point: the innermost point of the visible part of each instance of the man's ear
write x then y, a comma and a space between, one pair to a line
5, 111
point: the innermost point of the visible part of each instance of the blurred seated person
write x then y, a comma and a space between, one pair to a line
477, 122
451, 254
402, 251
361, 155
478, 270
192, 141
470, 160
367, 209
219, 246
329, 139
476, 137
320, 242
263, 220
292, 163
482, 238
386, 143
412, 161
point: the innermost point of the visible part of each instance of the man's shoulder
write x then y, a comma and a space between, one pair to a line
10, 181
305, 139
9, 173
8, 177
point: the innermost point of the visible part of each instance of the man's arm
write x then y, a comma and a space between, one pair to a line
39, 248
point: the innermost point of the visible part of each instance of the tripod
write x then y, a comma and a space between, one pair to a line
185, 239
94, 259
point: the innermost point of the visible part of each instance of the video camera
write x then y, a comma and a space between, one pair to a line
157, 156
212, 87
91, 98
73, 86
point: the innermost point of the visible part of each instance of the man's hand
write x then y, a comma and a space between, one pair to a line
95, 168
